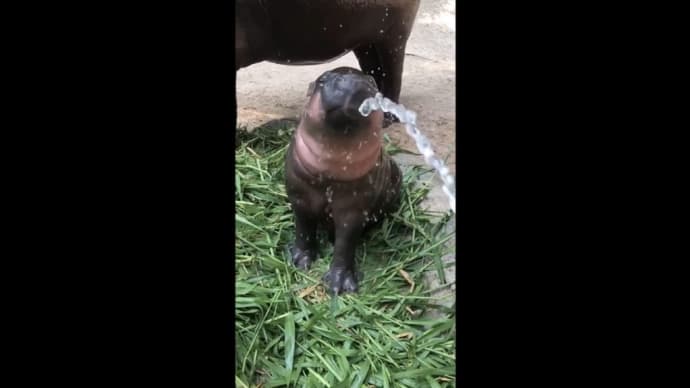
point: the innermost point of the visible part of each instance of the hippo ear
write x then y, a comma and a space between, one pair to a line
310, 90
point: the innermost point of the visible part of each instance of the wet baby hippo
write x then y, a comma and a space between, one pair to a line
338, 176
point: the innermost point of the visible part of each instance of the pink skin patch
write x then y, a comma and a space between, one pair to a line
346, 157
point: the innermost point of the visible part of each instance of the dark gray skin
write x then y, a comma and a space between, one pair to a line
322, 190
299, 32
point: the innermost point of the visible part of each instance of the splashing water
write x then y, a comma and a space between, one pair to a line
409, 118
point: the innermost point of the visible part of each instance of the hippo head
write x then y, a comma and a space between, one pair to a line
339, 94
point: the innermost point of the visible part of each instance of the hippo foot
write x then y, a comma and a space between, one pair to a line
340, 280
302, 259
388, 119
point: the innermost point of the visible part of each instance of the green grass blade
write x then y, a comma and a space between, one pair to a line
289, 341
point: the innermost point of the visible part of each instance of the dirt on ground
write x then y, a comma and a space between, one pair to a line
267, 91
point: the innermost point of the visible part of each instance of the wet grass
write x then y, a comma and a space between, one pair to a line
289, 332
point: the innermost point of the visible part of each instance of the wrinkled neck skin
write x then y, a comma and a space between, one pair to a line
342, 157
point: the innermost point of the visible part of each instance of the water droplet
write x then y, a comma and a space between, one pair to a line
378, 68
399, 36
372, 72
288, 61
329, 194
324, 28
381, 31
344, 225
341, 26
366, 213
383, 75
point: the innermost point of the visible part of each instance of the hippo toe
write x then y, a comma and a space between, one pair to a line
302, 259
340, 280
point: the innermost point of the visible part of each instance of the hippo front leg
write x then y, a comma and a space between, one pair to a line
305, 248
342, 275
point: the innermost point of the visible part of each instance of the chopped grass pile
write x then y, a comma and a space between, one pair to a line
289, 332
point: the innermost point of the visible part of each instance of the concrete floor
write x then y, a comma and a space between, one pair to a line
436, 201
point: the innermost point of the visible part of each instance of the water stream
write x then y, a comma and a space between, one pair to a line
409, 118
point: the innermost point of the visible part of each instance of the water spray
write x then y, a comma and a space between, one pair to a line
409, 118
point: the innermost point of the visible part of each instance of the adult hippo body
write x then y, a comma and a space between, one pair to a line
300, 32
337, 173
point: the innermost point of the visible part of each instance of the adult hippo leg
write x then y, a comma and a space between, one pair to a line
386, 68
369, 62
392, 69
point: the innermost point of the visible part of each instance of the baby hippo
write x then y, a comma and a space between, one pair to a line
338, 176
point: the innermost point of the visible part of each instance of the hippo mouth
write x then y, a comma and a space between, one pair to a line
342, 92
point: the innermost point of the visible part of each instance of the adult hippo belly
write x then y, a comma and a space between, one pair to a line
294, 32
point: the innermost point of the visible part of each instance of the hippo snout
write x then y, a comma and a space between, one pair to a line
343, 90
